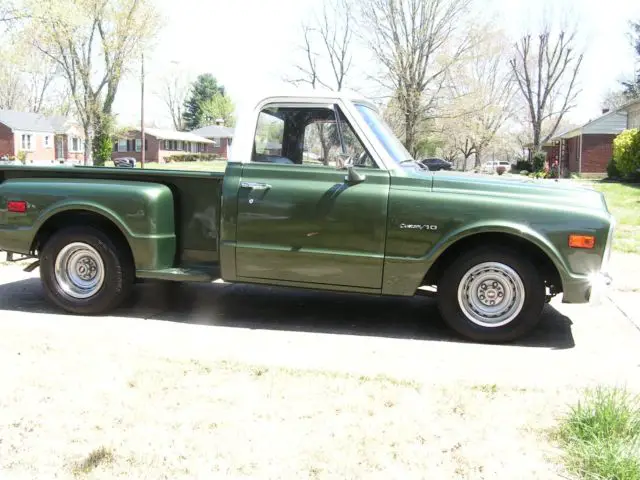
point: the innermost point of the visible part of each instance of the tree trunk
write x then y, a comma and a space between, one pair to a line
408, 131
536, 138
478, 162
87, 144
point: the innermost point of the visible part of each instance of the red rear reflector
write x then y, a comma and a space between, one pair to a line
17, 207
582, 241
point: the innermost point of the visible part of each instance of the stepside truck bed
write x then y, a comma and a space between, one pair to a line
170, 218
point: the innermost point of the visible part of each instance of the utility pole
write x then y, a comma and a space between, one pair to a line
142, 112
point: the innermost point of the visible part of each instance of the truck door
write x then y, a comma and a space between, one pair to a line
301, 219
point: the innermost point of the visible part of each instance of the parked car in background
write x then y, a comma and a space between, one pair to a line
125, 162
435, 164
491, 166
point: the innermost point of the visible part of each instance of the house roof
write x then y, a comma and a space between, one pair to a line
612, 122
30, 122
176, 135
214, 131
34, 122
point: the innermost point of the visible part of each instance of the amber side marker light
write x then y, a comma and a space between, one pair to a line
17, 206
582, 241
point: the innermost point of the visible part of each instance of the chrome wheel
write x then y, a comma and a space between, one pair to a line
79, 270
491, 294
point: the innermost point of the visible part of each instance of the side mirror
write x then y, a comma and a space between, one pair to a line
353, 176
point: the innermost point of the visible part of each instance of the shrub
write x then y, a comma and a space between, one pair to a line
101, 145
192, 157
539, 159
612, 169
500, 170
524, 172
544, 173
626, 152
22, 156
522, 165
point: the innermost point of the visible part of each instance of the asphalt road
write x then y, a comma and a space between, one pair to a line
574, 345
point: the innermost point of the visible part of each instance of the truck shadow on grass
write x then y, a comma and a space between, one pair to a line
275, 308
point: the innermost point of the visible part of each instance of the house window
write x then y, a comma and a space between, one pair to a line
138, 144
26, 141
76, 144
47, 141
122, 145
216, 142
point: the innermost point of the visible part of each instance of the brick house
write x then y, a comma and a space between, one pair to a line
44, 139
221, 136
589, 148
159, 144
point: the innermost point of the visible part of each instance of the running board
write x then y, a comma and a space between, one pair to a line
179, 275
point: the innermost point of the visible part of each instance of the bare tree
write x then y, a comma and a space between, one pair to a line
12, 88
327, 42
416, 42
332, 31
614, 99
26, 78
546, 69
490, 82
174, 92
93, 42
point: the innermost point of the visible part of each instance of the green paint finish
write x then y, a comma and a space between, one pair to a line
143, 212
445, 208
195, 207
228, 220
310, 225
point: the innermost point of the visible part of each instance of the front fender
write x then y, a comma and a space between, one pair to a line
512, 228
404, 274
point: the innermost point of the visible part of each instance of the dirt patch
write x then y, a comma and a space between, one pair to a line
136, 415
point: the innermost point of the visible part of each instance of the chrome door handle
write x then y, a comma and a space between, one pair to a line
255, 185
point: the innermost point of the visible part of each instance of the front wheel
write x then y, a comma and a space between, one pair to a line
491, 295
84, 271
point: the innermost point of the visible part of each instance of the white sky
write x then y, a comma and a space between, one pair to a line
247, 44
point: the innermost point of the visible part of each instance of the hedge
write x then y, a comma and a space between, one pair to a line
192, 157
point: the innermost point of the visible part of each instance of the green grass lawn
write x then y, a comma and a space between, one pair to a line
623, 201
601, 436
213, 166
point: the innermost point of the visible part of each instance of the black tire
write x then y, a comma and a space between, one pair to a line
118, 271
523, 323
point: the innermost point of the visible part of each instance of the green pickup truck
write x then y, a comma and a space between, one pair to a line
317, 193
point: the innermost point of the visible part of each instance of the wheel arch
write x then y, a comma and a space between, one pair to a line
502, 239
81, 217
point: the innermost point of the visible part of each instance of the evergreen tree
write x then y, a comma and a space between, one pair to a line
632, 87
203, 90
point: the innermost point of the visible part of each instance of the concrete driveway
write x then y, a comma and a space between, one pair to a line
574, 345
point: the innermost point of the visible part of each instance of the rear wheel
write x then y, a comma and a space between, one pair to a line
491, 295
83, 271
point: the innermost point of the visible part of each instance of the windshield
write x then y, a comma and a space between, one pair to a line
394, 147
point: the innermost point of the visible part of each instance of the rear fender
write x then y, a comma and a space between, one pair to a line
143, 212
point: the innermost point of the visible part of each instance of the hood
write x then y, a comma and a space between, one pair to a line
559, 193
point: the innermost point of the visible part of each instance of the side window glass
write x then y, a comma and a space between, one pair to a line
358, 155
269, 137
307, 136
321, 144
